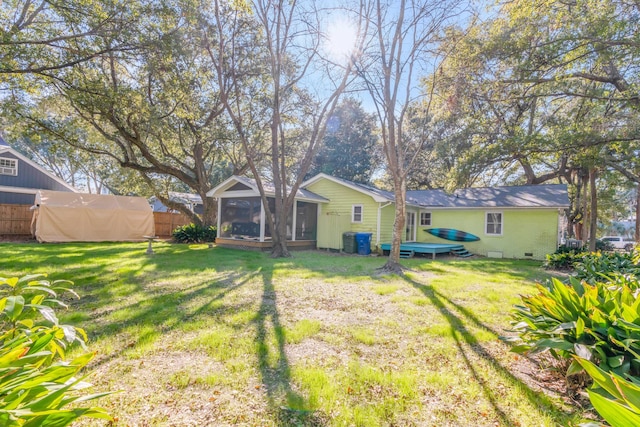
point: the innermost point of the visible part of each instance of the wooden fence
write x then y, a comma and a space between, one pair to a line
166, 222
15, 220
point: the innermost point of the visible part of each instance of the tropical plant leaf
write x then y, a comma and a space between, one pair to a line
615, 413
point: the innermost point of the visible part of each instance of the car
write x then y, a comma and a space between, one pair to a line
619, 242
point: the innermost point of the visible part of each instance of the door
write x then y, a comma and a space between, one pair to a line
410, 227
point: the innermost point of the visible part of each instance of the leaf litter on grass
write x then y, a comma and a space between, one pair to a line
321, 374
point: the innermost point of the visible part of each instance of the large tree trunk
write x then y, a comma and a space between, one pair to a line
593, 215
279, 235
210, 211
637, 233
393, 262
585, 212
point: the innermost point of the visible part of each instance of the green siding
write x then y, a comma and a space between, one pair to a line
335, 216
387, 216
524, 231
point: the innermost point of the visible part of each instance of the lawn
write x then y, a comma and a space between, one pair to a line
196, 336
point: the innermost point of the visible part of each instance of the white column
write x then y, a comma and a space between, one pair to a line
263, 219
294, 220
219, 215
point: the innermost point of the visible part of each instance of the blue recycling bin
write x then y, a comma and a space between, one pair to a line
363, 240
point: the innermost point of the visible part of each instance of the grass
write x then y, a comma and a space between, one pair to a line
201, 336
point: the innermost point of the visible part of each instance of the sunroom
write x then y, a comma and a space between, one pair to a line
242, 217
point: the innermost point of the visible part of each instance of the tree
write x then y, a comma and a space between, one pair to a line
401, 49
349, 149
156, 108
41, 37
544, 92
289, 105
82, 170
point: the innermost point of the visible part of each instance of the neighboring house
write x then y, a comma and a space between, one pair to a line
191, 201
242, 221
21, 178
512, 222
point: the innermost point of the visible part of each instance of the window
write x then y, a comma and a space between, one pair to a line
356, 213
8, 166
494, 223
425, 218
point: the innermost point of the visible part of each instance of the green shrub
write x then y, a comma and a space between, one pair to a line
616, 399
603, 245
601, 266
564, 258
36, 385
194, 233
598, 322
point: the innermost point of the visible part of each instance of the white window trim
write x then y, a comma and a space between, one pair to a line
10, 159
353, 214
486, 223
430, 219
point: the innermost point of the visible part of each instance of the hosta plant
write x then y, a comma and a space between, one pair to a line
37, 386
616, 399
564, 258
599, 322
601, 266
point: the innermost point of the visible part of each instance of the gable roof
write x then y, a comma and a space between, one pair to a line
523, 196
377, 194
302, 194
6, 148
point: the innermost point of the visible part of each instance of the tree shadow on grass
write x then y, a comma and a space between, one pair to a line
163, 311
468, 348
288, 405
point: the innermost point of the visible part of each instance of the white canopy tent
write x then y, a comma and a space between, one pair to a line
77, 217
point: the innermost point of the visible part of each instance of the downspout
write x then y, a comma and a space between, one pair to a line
380, 207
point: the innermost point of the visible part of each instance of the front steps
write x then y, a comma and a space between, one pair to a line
406, 254
462, 253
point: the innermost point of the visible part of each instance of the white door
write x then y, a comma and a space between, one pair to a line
410, 227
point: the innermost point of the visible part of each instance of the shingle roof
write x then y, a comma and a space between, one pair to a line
432, 198
529, 196
523, 196
3, 142
185, 197
533, 196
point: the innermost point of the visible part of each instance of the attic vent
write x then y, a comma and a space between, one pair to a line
8, 166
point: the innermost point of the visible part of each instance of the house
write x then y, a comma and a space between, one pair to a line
192, 201
511, 222
21, 178
242, 221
